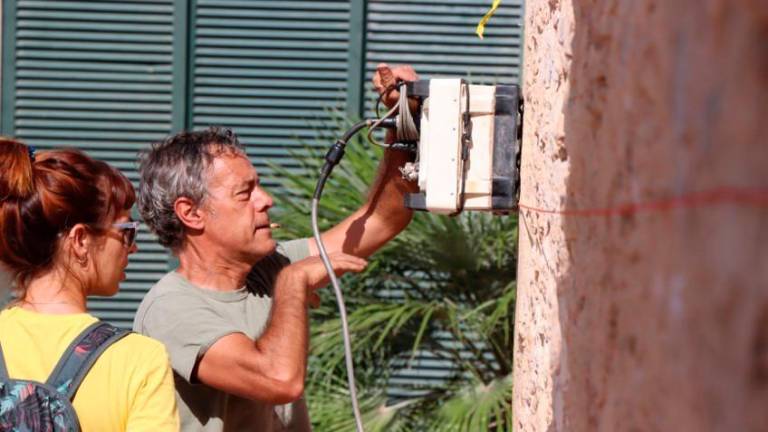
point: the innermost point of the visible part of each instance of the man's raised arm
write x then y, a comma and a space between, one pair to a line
383, 215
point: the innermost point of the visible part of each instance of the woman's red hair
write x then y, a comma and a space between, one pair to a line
46, 194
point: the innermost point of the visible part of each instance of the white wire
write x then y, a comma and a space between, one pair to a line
343, 314
405, 125
376, 124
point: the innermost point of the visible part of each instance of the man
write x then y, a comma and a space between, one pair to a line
240, 357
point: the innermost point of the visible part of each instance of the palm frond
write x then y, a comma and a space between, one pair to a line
331, 411
477, 407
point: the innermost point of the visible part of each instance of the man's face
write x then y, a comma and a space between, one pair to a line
236, 209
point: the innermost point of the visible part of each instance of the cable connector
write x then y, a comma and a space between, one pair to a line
335, 153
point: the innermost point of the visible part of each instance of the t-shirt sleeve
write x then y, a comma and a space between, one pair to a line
154, 404
294, 250
187, 326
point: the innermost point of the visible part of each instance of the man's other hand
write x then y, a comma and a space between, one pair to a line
311, 272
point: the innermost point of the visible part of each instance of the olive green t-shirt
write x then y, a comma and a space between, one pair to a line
189, 320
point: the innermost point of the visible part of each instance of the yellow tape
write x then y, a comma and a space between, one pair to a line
481, 25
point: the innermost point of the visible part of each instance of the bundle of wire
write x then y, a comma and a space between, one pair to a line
406, 130
405, 126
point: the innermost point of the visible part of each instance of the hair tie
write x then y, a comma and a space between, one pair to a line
31, 150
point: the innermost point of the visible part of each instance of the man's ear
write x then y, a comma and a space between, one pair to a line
190, 213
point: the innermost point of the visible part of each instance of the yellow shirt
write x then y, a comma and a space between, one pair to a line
129, 388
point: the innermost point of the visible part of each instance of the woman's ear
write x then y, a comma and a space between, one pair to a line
80, 241
189, 213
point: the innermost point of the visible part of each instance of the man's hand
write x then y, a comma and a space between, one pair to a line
312, 274
386, 77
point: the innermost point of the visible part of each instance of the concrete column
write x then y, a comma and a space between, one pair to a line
655, 319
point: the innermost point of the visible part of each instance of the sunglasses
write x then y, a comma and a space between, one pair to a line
129, 231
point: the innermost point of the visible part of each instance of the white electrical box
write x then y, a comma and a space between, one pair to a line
468, 149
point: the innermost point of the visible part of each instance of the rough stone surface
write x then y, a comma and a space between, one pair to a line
655, 320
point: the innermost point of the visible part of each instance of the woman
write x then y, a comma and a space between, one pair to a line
65, 234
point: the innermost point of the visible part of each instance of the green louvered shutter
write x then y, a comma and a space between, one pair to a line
274, 71
97, 76
438, 39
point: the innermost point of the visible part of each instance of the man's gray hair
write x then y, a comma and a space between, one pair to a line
176, 167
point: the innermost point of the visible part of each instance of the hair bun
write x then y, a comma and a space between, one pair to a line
16, 174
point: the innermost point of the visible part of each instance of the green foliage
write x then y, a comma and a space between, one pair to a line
442, 276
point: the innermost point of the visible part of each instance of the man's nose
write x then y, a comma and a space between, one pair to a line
262, 199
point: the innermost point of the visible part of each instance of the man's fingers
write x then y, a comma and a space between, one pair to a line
315, 275
343, 263
340, 270
405, 73
383, 77
402, 73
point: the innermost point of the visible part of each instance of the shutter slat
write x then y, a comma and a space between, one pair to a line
268, 92
206, 102
269, 6
107, 46
270, 111
54, 65
142, 28
55, 75
305, 53
91, 56
101, 95
118, 115
86, 36
103, 7
53, 15
108, 136
244, 82
319, 45
204, 71
93, 105
297, 63
249, 33
91, 85
235, 23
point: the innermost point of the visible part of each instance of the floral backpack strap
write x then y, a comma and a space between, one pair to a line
80, 356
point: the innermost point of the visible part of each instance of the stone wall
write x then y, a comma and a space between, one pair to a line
654, 317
